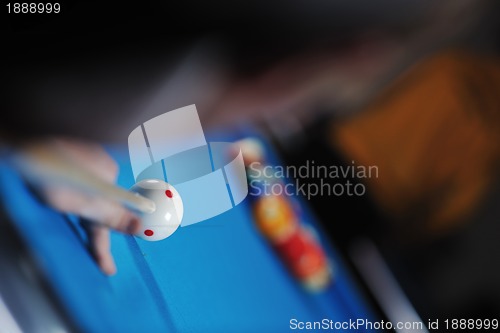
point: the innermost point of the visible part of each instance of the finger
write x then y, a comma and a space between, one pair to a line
96, 209
100, 247
85, 167
109, 214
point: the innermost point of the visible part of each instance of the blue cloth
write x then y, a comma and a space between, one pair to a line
215, 276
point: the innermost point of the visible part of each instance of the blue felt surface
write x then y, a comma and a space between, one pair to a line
216, 276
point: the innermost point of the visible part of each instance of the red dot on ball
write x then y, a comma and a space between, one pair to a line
169, 193
148, 232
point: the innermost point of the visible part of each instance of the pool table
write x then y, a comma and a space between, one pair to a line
217, 276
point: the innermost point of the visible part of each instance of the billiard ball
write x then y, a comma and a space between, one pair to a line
169, 209
275, 217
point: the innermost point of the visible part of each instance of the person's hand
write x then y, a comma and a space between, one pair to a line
103, 214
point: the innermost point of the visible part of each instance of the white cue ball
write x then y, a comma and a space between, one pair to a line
169, 209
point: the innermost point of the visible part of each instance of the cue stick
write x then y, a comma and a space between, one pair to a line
40, 164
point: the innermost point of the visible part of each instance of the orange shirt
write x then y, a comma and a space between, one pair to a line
435, 136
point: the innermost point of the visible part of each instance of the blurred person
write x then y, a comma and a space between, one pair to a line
421, 107
433, 131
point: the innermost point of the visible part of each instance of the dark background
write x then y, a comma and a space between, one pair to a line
118, 52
